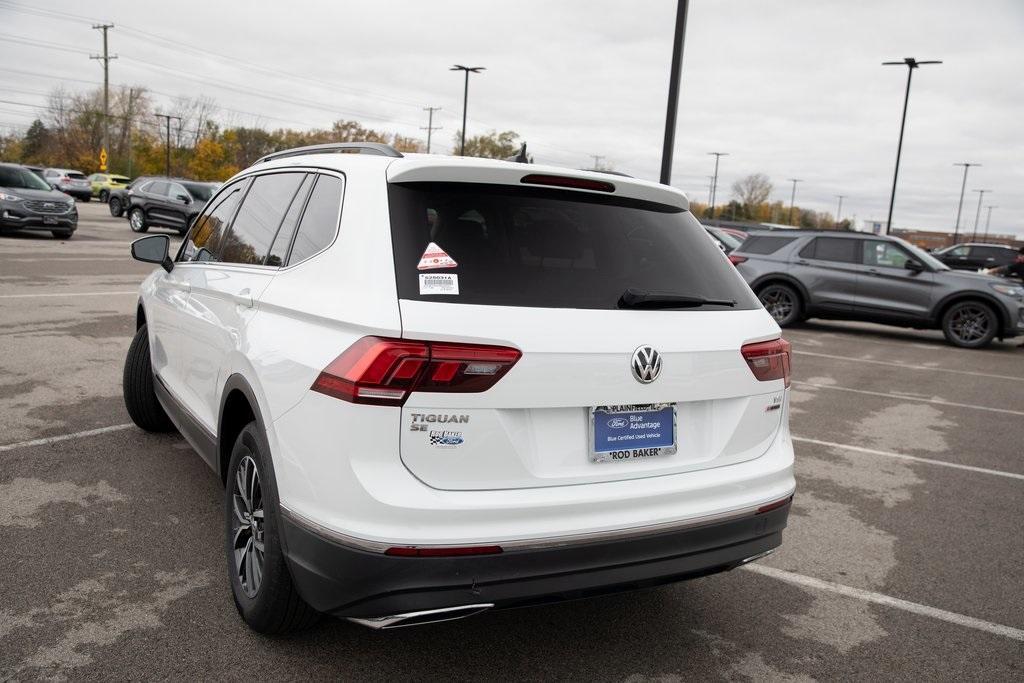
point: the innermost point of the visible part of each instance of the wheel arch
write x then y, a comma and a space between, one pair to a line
785, 279
140, 315
238, 407
939, 312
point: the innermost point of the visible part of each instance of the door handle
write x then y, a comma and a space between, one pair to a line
872, 271
801, 262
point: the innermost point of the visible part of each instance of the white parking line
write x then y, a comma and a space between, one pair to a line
909, 366
888, 601
63, 437
904, 397
914, 458
53, 294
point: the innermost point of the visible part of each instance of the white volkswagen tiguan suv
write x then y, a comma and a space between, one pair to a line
434, 385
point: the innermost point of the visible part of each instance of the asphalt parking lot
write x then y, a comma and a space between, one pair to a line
904, 556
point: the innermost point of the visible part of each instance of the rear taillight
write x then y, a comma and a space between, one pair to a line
736, 260
768, 360
381, 371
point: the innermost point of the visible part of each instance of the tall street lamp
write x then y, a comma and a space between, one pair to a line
792, 197
682, 9
988, 219
911, 64
981, 194
714, 182
963, 185
465, 100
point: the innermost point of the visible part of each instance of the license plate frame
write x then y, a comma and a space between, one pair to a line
637, 452
50, 220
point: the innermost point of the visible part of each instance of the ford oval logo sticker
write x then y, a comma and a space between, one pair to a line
617, 422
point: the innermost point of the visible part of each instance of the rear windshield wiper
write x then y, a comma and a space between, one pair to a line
643, 299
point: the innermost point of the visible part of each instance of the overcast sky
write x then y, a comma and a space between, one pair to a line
789, 88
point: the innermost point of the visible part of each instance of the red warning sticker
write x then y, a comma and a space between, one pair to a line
435, 257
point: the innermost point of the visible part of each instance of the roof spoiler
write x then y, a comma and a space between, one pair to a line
376, 148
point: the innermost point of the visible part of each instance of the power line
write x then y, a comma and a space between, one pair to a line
430, 127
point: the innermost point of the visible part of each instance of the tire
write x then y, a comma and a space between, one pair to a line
137, 385
782, 302
85, 200
137, 220
970, 324
62, 234
261, 583
114, 204
104, 196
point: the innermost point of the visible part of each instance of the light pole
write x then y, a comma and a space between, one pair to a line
792, 197
167, 118
988, 219
981, 193
682, 9
960, 206
465, 100
839, 210
714, 182
911, 64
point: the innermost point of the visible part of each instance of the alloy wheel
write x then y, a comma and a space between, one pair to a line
970, 323
248, 526
778, 302
135, 220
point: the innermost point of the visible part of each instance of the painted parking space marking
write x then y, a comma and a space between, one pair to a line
908, 366
63, 437
913, 458
904, 397
888, 601
56, 294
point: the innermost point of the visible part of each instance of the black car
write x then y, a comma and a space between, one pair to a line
117, 200
166, 203
974, 256
27, 202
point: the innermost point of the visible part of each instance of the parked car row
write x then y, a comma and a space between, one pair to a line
158, 202
27, 202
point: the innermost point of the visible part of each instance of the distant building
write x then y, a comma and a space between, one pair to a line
874, 227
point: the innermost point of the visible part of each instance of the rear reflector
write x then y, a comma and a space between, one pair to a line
774, 506
381, 371
736, 260
411, 551
768, 360
568, 181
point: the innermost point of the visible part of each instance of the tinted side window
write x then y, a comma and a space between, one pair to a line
764, 244
959, 251
279, 250
159, 187
995, 253
203, 243
319, 222
887, 254
257, 221
174, 190
836, 249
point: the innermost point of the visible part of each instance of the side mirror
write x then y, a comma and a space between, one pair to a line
153, 249
914, 265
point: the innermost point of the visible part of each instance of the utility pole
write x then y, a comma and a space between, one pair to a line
167, 118
597, 161
792, 197
911, 64
963, 186
465, 100
106, 57
988, 219
430, 127
130, 122
675, 70
981, 193
714, 183
711, 185
839, 211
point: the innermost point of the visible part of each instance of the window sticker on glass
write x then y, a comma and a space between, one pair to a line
440, 283
434, 257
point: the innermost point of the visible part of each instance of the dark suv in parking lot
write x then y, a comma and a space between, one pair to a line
973, 256
818, 274
166, 203
27, 202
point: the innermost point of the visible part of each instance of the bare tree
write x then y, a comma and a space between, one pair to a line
752, 191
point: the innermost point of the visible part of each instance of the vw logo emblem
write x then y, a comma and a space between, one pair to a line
646, 364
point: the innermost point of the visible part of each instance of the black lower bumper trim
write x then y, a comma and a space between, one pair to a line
348, 582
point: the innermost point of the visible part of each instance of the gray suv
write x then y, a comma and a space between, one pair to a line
817, 274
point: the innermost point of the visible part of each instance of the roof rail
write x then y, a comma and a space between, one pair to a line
378, 148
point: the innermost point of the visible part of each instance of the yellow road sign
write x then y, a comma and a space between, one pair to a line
103, 160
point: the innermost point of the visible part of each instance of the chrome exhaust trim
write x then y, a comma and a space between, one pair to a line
750, 559
430, 616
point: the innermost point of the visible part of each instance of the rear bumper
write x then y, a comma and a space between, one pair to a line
351, 582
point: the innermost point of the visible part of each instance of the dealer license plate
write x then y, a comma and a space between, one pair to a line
49, 220
632, 432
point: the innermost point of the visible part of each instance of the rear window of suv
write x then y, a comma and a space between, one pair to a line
764, 244
517, 246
